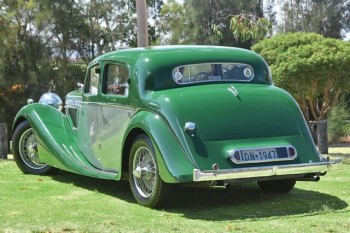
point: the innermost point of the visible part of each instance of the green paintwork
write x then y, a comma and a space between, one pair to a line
57, 140
262, 115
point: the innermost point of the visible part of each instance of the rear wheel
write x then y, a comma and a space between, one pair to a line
147, 186
25, 151
277, 186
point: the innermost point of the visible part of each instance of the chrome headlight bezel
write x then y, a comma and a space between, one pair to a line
51, 99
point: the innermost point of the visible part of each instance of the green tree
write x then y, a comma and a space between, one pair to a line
193, 23
86, 29
28, 62
337, 128
314, 69
172, 15
21, 56
249, 28
46, 44
329, 18
154, 9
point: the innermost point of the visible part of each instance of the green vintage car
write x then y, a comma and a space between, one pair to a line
161, 116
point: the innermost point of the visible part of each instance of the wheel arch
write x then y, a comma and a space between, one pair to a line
163, 170
173, 165
18, 120
127, 147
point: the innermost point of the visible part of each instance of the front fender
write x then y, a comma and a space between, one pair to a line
174, 166
35, 113
52, 130
57, 142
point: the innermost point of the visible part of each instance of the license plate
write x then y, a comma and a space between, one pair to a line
260, 155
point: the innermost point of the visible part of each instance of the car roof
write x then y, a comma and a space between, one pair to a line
182, 54
157, 63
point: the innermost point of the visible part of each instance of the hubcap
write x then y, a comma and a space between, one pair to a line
28, 150
144, 172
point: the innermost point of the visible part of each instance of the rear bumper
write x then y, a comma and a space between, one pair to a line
260, 172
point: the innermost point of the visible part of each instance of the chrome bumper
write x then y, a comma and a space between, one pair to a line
259, 172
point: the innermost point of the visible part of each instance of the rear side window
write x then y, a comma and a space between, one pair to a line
207, 72
116, 80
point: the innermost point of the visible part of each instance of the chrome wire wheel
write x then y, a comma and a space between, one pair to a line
25, 151
146, 184
144, 172
28, 150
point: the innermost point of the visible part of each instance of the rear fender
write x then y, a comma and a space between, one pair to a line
174, 167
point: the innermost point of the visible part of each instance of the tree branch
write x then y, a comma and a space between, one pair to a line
312, 108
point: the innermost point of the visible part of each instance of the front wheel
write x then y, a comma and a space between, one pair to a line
277, 186
25, 151
147, 186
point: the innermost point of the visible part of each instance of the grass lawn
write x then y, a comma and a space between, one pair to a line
71, 203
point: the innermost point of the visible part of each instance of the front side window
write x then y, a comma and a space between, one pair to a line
93, 80
116, 80
213, 72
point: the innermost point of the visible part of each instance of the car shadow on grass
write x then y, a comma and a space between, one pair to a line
118, 189
246, 201
239, 202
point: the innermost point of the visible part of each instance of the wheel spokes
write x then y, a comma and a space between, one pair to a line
28, 150
144, 171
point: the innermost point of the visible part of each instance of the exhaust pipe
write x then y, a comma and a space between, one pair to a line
313, 178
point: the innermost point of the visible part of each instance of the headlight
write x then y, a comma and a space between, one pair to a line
51, 99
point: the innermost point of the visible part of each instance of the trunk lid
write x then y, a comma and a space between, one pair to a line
239, 111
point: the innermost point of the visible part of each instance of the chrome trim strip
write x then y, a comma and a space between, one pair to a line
73, 102
266, 171
211, 63
233, 90
117, 105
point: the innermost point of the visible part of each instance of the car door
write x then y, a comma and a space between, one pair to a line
115, 113
105, 115
88, 130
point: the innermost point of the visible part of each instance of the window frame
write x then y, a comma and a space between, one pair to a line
215, 78
88, 83
105, 85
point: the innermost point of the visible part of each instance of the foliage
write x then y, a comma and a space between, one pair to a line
21, 58
42, 41
249, 28
205, 23
171, 22
337, 126
329, 18
46, 44
314, 69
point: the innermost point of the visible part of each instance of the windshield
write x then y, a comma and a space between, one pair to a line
195, 73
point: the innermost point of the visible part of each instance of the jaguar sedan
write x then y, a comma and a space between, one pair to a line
168, 115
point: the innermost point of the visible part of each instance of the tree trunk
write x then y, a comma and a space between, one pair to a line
142, 23
3, 141
322, 137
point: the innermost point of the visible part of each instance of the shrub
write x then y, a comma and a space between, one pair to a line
338, 127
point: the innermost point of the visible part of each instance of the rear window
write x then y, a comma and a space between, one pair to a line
195, 73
